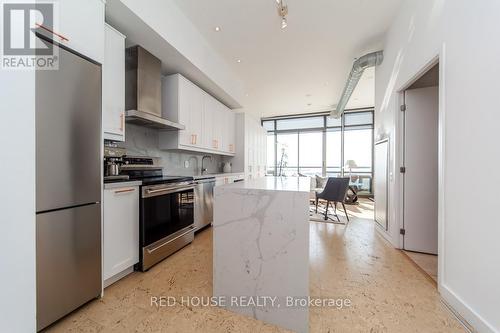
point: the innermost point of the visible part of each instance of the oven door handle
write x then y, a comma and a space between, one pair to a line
171, 240
170, 190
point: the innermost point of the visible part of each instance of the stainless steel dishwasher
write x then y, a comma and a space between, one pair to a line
203, 202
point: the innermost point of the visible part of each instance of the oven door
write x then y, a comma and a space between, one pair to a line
166, 209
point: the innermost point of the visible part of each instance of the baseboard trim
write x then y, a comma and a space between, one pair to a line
385, 235
118, 276
467, 316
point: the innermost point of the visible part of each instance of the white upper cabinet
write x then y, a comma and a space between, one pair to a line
81, 25
250, 156
113, 85
230, 133
209, 114
196, 97
218, 126
205, 118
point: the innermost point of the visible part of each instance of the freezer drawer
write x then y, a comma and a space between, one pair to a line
68, 253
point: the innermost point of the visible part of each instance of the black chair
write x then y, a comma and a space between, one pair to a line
335, 191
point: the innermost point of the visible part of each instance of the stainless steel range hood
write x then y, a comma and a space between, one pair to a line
143, 90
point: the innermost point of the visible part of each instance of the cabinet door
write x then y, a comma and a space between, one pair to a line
196, 115
121, 229
209, 122
251, 150
190, 113
219, 126
219, 181
231, 132
186, 136
263, 151
82, 24
113, 85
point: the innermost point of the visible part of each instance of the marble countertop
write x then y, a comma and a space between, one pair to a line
289, 184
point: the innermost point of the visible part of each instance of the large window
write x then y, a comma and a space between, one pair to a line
271, 154
310, 153
320, 145
334, 152
358, 157
287, 154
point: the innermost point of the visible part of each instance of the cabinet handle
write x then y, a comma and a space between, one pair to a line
121, 122
52, 32
192, 139
125, 191
195, 138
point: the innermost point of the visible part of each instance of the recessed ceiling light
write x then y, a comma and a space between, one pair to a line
217, 29
309, 104
238, 61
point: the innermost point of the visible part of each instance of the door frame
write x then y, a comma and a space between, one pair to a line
438, 57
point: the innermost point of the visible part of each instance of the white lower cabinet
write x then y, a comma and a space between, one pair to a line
229, 179
120, 231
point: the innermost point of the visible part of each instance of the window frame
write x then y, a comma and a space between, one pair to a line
324, 129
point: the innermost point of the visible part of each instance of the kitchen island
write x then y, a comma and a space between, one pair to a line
261, 249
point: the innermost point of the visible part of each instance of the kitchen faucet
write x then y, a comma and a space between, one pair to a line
203, 169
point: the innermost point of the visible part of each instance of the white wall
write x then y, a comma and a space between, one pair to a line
170, 22
465, 34
17, 202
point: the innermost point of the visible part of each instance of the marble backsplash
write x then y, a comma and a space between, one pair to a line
143, 141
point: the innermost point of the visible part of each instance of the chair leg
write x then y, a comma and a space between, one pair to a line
336, 215
326, 210
345, 211
316, 206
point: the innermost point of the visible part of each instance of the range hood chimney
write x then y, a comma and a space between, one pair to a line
359, 66
143, 90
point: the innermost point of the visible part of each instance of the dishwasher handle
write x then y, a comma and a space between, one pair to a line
205, 181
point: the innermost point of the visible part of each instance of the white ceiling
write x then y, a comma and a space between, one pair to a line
312, 56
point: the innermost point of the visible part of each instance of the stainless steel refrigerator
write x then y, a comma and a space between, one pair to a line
68, 186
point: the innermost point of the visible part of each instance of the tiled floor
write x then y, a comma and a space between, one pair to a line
388, 293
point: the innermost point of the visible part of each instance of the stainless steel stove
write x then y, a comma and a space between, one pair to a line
166, 210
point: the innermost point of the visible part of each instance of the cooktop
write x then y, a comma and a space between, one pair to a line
164, 179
